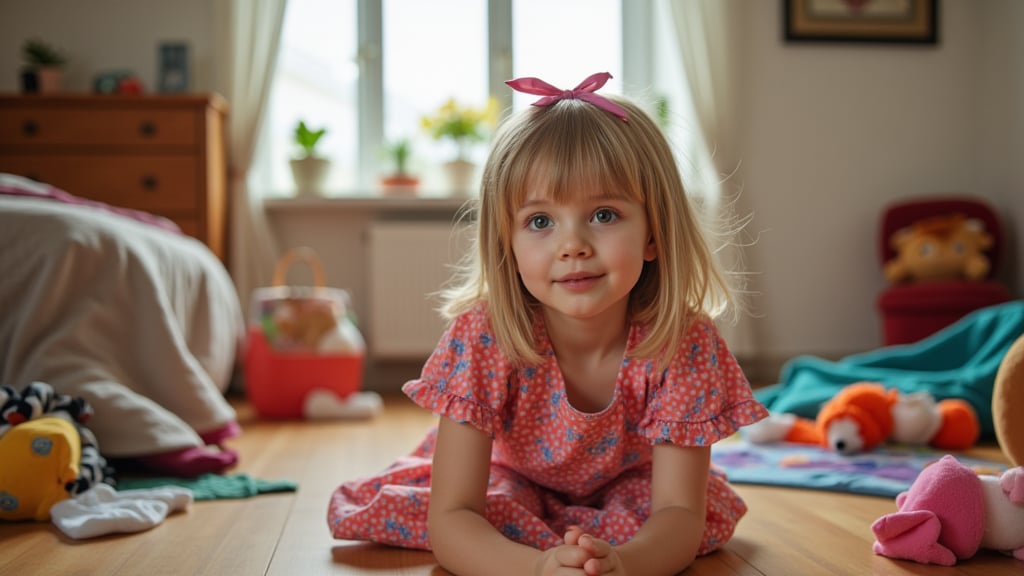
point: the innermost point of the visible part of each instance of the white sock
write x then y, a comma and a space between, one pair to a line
324, 404
102, 510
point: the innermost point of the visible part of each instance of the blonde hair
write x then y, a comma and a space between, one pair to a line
570, 146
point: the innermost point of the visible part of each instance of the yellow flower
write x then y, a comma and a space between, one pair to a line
464, 125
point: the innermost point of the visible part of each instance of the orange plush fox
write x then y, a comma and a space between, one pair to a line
864, 415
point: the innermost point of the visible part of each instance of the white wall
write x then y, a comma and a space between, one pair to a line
108, 35
1000, 152
829, 134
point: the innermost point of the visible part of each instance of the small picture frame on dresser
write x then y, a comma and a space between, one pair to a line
173, 59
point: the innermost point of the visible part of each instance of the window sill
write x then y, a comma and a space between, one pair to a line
372, 203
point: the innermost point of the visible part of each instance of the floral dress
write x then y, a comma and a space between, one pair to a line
553, 466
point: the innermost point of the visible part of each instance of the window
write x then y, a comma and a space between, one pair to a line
433, 51
368, 70
551, 41
315, 80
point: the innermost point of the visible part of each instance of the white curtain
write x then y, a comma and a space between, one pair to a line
706, 32
248, 54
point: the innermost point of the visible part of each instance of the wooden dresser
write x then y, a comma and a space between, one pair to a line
161, 154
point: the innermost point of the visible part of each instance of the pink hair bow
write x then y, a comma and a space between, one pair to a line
583, 91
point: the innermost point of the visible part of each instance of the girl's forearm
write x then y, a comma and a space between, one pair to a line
666, 544
465, 544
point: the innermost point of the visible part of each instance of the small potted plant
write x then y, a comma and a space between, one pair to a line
399, 182
44, 67
309, 169
464, 126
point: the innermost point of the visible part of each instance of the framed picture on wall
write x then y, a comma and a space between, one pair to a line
173, 60
880, 21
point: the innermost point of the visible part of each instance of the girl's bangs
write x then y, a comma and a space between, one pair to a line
566, 164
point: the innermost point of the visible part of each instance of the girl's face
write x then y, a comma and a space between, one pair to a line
582, 257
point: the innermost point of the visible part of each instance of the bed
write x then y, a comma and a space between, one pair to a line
119, 308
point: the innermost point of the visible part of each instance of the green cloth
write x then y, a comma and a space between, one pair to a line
213, 486
959, 361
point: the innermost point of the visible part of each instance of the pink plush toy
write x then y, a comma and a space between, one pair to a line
950, 513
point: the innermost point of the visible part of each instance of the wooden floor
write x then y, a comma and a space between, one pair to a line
787, 532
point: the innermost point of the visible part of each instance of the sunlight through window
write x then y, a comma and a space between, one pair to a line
369, 80
551, 41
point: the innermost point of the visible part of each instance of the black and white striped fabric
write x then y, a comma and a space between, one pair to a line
37, 400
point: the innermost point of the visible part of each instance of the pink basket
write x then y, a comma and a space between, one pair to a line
283, 363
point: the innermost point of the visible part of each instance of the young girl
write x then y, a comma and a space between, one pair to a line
581, 380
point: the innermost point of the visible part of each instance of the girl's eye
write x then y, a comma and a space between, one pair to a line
538, 222
604, 216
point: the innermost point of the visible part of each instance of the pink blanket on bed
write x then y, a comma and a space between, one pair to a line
16, 186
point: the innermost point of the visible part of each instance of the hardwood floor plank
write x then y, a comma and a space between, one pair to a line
322, 456
791, 531
724, 562
787, 532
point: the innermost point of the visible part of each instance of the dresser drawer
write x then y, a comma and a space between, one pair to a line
164, 154
190, 227
166, 185
42, 125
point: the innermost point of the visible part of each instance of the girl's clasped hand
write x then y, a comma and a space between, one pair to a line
581, 554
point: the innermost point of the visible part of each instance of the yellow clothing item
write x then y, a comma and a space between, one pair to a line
39, 457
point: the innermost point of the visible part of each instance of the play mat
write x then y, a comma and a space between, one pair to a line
884, 471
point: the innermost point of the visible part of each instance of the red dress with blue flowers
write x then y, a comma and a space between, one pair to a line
553, 466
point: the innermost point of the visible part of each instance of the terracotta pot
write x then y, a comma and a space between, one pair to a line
51, 79
399, 185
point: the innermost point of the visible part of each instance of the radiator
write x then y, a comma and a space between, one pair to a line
409, 263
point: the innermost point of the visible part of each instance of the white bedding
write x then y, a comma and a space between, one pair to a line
141, 322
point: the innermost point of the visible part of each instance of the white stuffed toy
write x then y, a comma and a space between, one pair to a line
865, 415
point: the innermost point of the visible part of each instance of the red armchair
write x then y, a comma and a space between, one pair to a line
913, 311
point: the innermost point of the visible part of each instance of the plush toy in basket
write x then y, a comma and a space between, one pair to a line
304, 355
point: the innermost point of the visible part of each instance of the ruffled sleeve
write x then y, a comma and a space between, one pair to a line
703, 395
466, 378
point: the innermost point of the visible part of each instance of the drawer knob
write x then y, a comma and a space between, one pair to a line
30, 128
147, 129
149, 182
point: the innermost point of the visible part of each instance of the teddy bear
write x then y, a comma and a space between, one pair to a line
1007, 397
945, 247
865, 415
311, 324
304, 321
950, 513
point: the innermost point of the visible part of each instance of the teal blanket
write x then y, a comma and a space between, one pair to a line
959, 361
